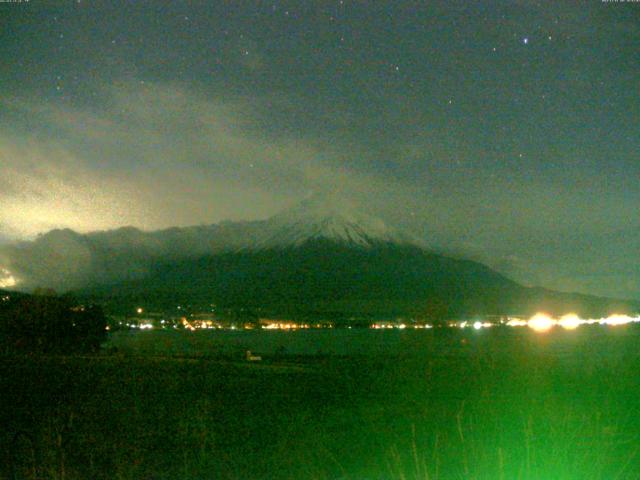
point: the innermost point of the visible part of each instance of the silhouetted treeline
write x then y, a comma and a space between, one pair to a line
46, 324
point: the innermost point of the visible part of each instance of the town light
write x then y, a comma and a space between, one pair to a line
570, 321
541, 322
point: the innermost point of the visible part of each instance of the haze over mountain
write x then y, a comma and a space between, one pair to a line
322, 256
67, 260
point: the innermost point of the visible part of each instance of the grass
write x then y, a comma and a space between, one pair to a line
499, 407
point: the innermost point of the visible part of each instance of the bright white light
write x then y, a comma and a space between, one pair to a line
479, 325
615, 320
541, 322
139, 310
570, 321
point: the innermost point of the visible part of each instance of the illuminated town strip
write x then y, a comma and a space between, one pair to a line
540, 322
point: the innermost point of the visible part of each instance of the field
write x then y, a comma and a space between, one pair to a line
495, 404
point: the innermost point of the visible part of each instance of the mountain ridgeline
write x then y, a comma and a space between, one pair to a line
321, 258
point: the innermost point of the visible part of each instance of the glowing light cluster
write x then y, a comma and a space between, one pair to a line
398, 326
284, 326
479, 325
516, 322
382, 326
196, 324
570, 321
187, 325
542, 322
619, 320
139, 326
7, 280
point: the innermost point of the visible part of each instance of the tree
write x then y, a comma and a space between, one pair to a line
48, 324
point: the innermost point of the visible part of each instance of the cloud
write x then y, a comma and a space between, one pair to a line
151, 155
157, 155
45, 186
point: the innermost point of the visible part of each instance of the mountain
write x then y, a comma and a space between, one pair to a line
66, 260
322, 277
319, 258
329, 218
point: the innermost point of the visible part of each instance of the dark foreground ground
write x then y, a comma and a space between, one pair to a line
500, 406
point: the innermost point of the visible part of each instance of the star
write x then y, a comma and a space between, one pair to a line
525, 40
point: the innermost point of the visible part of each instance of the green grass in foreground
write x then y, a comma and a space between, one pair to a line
504, 412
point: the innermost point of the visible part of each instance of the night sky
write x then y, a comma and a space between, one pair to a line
504, 131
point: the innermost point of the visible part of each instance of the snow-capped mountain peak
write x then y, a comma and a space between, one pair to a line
328, 217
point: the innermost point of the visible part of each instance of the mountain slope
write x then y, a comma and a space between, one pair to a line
325, 278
